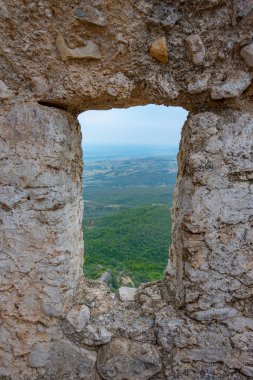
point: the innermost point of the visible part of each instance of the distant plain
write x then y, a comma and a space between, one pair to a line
128, 193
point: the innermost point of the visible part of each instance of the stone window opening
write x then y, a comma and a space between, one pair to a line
61, 58
130, 169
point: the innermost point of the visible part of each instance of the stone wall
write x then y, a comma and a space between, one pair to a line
59, 58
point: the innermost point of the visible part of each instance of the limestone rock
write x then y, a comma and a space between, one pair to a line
150, 299
127, 294
159, 50
243, 8
165, 14
207, 355
163, 84
67, 361
243, 341
5, 92
207, 4
215, 314
79, 316
89, 51
233, 86
247, 54
196, 49
168, 326
199, 85
95, 335
239, 324
247, 371
50, 309
123, 359
120, 85
4, 12
41, 212
91, 15
39, 354
40, 85
105, 277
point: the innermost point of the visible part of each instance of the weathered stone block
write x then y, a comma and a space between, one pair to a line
5, 92
91, 15
247, 371
68, 361
78, 317
233, 86
127, 294
93, 335
39, 355
89, 51
215, 314
196, 49
124, 359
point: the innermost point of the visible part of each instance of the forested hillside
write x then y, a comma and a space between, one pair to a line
127, 218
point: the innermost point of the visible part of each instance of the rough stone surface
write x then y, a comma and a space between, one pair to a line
248, 371
123, 359
70, 362
40, 85
5, 92
198, 322
127, 294
247, 54
159, 50
199, 84
39, 354
196, 49
95, 336
89, 51
233, 86
79, 317
215, 314
90, 14
40, 193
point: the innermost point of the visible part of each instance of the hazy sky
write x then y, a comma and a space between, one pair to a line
136, 125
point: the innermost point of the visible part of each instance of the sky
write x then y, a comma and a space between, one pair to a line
144, 125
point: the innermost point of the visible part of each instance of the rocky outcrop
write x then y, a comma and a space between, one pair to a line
59, 58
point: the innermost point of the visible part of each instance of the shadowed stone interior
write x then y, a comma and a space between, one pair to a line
61, 58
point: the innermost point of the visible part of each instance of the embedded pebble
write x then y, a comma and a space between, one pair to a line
89, 51
196, 49
79, 317
90, 14
39, 354
159, 50
199, 85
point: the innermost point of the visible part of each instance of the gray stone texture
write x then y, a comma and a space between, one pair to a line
60, 58
123, 359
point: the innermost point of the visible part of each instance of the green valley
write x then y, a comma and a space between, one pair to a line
127, 218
